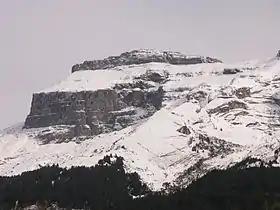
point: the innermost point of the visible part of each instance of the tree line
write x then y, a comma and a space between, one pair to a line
107, 186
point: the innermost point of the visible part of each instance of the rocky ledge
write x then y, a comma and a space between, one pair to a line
143, 56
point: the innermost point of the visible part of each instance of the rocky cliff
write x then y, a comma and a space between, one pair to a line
141, 57
89, 113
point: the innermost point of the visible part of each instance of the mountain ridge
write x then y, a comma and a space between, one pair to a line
142, 56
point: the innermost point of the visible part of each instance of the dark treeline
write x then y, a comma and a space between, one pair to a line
104, 186
107, 186
234, 189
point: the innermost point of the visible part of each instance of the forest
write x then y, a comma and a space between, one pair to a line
107, 186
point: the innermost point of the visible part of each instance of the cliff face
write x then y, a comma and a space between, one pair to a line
82, 109
88, 113
141, 57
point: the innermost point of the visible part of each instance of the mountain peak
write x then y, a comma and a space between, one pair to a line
142, 56
278, 54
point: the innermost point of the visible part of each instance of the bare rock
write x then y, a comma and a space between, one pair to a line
133, 85
89, 113
141, 57
154, 76
231, 71
214, 146
71, 108
185, 130
276, 98
243, 92
278, 54
226, 107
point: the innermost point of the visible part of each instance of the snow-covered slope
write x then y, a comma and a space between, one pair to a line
209, 119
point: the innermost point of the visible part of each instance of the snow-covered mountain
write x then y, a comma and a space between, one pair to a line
172, 117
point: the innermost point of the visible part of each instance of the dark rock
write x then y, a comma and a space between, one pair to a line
226, 107
276, 98
185, 74
276, 155
231, 71
276, 152
155, 77
241, 113
141, 57
88, 113
156, 97
132, 85
70, 108
135, 98
278, 54
214, 146
125, 121
243, 92
185, 130
197, 95
143, 98
158, 77
253, 124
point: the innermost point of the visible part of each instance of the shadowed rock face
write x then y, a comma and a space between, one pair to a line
141, 57
278, 54
71, 108
92, 112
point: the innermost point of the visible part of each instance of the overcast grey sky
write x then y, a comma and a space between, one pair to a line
41, 40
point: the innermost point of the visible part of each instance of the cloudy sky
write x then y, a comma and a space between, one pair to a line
41, 40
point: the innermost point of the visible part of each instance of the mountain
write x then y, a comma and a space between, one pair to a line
172, 117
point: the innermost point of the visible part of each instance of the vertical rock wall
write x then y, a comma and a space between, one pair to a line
82, 109
92, 112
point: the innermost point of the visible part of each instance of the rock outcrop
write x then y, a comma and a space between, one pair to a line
243, 92
231, 71
278, 54
184, 130
92, 112
226, 107
141, 57
70, 108
276, 97
154, 76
